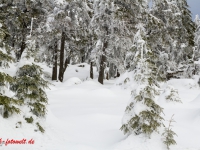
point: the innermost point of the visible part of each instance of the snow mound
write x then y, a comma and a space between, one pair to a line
91, 83
80, 71
125, 80
196, 100
141, 143
183, 84
72, 81
102, 92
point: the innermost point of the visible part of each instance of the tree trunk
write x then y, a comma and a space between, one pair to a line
102, 64
91, 70
107, 76
13, 41
118, 74
83, 59
61, 70
68, 60
23, 46
111, 71
66, 64
55, 58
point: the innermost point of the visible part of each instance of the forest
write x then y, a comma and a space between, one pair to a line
141, 59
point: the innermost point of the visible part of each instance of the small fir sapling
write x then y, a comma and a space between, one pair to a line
18, 124
169, 134
40, 127
29, 120
172, 94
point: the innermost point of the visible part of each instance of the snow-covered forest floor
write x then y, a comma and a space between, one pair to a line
85, 115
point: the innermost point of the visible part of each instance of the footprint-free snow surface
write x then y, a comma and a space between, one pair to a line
85, 115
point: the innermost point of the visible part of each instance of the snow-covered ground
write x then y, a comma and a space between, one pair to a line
85, 115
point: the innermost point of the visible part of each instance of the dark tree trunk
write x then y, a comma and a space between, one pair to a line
91, 70
55, 59
111, 71
13, 41
118, 74
66, 64
68, 60
61, 70
102, 64
83, 59
23, 46
103, 58
107, 76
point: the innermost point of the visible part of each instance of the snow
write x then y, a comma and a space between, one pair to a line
196, 101
139, 107
188, 89
72, 81
85, 115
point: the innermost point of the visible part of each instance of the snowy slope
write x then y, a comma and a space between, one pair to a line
85, 115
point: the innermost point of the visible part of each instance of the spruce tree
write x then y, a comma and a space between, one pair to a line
8, 103
143, 114
177, 36
127, 15
188, 25
17, 16
196, 53
158, 37
65, 36
187, 38
101, 25
197, 38
30, 85
163, 36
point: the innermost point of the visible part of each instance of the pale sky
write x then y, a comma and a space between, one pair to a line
194, 7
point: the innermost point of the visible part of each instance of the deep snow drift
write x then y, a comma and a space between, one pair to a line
85, 115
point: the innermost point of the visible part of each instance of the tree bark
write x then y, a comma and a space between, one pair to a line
23, 46
66, 64
68, 60
102, 64
61, 70
91, 70
107, 76
13, 41
118, 74
55, 59
111, 71
83, 59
